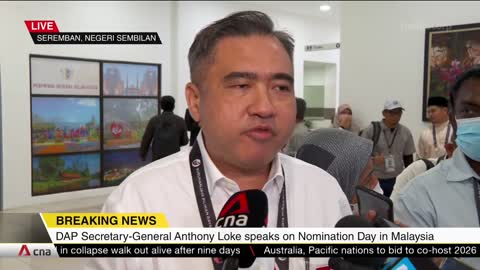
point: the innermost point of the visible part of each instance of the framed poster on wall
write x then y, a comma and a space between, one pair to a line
127, 79
125, 120
60, 173
58, 76
86, 128
449, 51
65, 125
118, 165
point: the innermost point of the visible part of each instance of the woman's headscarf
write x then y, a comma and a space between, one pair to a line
348, 154
336, 119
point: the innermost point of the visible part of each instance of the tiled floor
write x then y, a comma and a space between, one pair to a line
28, 263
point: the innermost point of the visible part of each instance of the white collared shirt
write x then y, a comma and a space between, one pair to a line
443, 196
426, 147
314, 199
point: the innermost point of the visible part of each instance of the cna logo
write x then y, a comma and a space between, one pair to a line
24, 249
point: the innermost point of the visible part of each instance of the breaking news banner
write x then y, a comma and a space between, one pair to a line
47, 32
149, 235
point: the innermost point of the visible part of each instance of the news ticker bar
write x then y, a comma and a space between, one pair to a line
72, 38
264, 236
217, 250
261, 250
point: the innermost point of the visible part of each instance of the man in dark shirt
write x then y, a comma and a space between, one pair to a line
192, 126
168, 132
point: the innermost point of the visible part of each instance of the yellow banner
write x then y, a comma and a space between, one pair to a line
104, 220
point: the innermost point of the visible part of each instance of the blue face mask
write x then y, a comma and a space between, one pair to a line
468, 137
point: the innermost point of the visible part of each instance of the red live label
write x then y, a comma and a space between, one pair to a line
41, 26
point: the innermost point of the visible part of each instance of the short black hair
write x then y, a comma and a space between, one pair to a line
473, 73
301, 107
167, 103
243, 24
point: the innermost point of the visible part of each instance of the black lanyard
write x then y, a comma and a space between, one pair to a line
476, 193
435, 135
393, 139
206, 208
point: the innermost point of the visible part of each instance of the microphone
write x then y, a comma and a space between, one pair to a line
336, 263
375, 263
355, 263
248, 208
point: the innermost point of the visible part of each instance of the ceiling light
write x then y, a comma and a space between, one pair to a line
325, 7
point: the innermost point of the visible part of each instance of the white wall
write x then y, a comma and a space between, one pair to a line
314, 75
16, 46
193, 16
325, 75
331, 86
176, 23
383, 53
332, 94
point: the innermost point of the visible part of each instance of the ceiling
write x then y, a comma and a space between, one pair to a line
304, 8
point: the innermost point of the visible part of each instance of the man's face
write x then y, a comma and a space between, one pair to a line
246, 104
392, 117
467, 101
436, 114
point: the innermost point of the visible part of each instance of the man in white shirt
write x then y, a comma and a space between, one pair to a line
242, 95
448, 194
432, 140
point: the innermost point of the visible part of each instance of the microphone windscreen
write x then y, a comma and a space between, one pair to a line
353, 221
245, 209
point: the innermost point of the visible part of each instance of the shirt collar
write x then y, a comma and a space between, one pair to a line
384, 127
442, 125
214, 175
460, 170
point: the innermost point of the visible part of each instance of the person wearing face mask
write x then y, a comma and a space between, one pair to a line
343, 119
448, 194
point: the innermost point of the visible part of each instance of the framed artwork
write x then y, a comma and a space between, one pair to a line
63, 76
125, 120
117, 165
65, 125
60, 173
449, 51
127, 79
88, 118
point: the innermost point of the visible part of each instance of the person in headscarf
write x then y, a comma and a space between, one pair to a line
343, 119
344, 155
